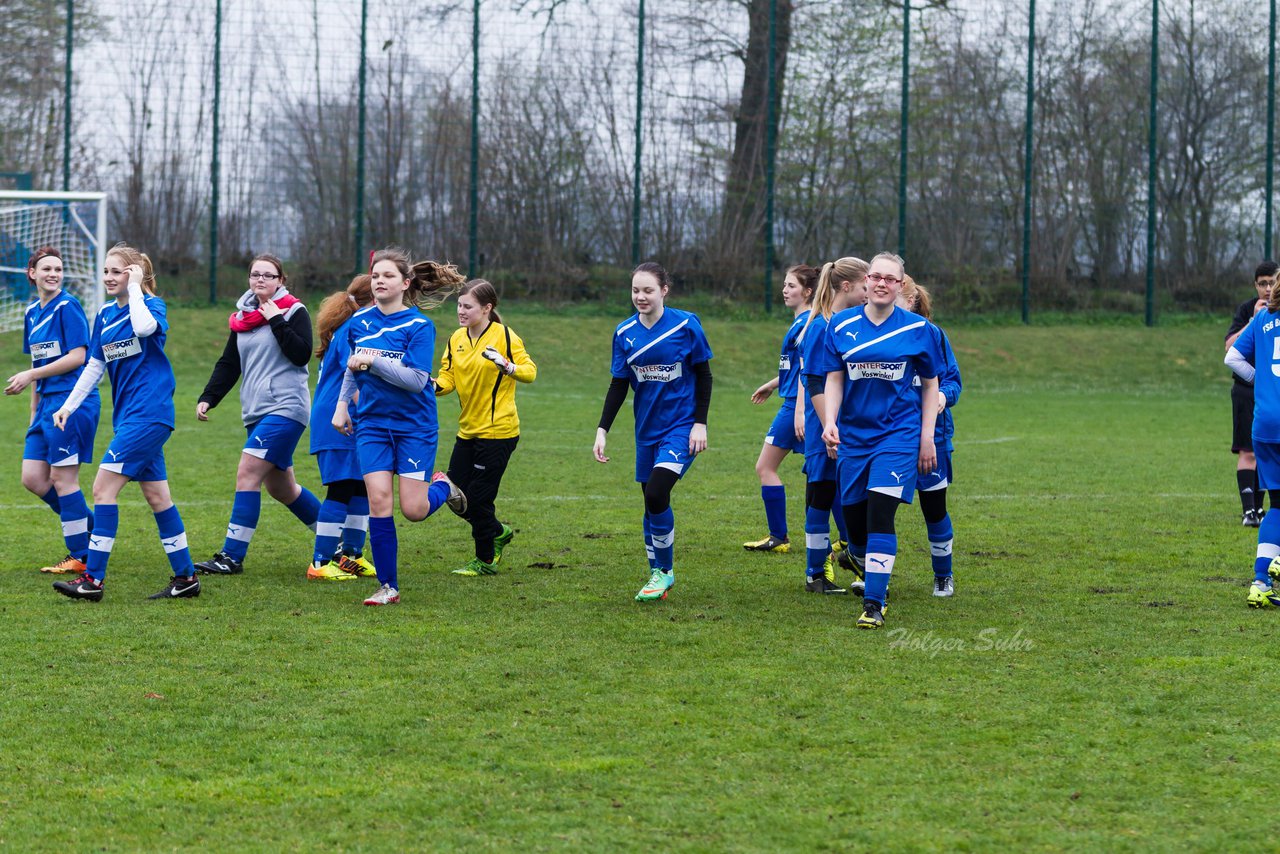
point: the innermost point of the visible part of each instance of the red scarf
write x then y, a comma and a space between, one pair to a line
247, 321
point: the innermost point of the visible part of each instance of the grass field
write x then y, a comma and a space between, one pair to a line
1096, 683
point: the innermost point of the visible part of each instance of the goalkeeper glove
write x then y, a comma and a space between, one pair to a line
498, 359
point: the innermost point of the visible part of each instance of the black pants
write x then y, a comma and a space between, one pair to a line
477, 466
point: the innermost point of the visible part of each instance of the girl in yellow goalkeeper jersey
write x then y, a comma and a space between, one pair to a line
482, 363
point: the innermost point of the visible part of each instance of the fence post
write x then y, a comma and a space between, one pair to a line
636, 179
770, 151
1271, 129
361, 263
902, 143
66, 99
474, 191
213, 171
1151, 164
1026, 170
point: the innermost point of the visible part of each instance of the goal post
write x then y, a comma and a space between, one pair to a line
73, 223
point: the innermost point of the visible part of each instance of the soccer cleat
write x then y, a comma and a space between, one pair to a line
220, 564
501, 541
858, 587
1251, 519
179, 587
822, 584
384, 595
83, 586
943, 586
67, 564
1260, 596
457, 501
769, 544
841, 554
475, 567
872, 615
356, 565
660, 584
328, 571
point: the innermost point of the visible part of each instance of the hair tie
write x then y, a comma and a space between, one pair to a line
350, 297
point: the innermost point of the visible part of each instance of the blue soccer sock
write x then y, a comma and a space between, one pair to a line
246, 507
385, 548
329, 530
356, 525
882, 549
817, 540
775, 509
941, 538
648, 544
837, 510
76, 523
106, 522
662, 528
173, 536
437, 495
51, 498
306, 507
1268, 545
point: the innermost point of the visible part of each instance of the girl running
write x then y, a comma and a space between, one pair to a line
483, 362
267, 349
663, 354
128, 345
873, 417
55, 333
782, 438
392, 345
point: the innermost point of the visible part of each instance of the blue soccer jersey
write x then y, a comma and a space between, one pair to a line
949, 385
407, 337
325, 400
811, 341
52, 331
658, 362
881, 406
789, 361
141, 377
1259, 343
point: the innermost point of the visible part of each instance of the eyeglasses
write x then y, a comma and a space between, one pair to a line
266, 277
876, 278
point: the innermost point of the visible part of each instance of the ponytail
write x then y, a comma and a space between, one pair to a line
337, 309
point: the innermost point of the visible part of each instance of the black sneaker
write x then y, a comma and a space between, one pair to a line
83, 586
872, 615
220, 564
179, 587
822, 584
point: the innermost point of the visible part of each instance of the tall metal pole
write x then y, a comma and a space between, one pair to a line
66, 99
635, 187
213, 171
1026, 168
362, 264
902, 144
1151, 164
770, 149
473, 226
1271, 130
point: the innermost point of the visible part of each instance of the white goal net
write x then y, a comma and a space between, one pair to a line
73, 223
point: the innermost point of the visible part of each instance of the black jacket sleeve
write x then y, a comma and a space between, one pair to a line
294, 336
225, 374
613, 400
701, 392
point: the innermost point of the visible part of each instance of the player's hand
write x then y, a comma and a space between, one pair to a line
761, 394
202, 411
491, 353
831, 435
18, 382
1259, 306
799, 423
942, 402
360, 361
928, 456
342, 419
135, 274
697, 439
60, 419
601, 438
268, 309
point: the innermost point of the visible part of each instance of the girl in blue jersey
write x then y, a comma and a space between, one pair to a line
55, 333
128, 345
663, 354
1258, 346
873, 417
841, 285
344, 514
932, 487
782, 438
267, 352
392, 345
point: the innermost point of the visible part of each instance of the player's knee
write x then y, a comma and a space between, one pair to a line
35, 483
820, 494
1247, 460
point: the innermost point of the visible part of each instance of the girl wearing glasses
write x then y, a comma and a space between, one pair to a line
883, 437
267, 350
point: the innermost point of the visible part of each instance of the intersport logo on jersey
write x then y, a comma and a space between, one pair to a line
46, 350
657, 373
121, 349
393, 355
891, 371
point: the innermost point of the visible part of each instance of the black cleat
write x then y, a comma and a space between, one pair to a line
83, 586
872, 615
822, 584
220, 564
179, 587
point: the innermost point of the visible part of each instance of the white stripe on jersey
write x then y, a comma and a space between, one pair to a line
884, 337
846, 323
57, 308
672, 331
413, 322
107, 329
622, 329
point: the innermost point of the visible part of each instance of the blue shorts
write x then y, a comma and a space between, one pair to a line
137, 451
819, 467
939, 478
1268, 454
338, 465
411, 455
671, 453
68, 447
891, 473
273, 438
782, 432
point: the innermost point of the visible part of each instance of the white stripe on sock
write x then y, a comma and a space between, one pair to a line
240, 533
75, 526
356, 523
1268, 550
329, 529
101, 544
817, 541
941, 548
174, 544
879, 563
664, 541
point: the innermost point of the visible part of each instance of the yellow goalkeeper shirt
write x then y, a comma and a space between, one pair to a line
487, 395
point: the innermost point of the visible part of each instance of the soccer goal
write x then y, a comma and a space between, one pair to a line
73, 223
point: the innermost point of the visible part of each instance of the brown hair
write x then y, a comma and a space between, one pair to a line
848, 269
337, 309
653, 268
484, 293
430, 282
273, 261
133, 256
39, 255
919, 295
807, 277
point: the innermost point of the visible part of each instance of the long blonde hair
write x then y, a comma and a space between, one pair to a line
430, 282
133, 256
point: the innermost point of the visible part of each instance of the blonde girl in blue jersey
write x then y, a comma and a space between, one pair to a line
797, 294
392, 347
55, 333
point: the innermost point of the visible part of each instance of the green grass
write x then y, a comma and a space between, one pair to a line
1097, 539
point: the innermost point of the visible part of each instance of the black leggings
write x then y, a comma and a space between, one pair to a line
657, 490
476, 467
342, 491
873, 515
933, 505
820, 494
